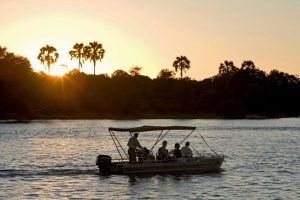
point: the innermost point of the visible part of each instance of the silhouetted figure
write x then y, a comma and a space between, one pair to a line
163, 152
133, 143
176, 152
143, 154
186, 151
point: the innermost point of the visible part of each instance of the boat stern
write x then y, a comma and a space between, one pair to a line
104, 163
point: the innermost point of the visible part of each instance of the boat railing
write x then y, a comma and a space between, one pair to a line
119, 160
187, 159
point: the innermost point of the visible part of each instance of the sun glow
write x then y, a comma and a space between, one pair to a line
131, 33
64, 63
59, 70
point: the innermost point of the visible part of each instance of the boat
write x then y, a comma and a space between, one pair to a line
147, 163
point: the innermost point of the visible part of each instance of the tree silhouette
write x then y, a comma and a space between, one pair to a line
227, 67
3, 51
282, 78
78, 53
26, 94
94, 52
181, 63
135, 71
119, 73
248, 65
48, 54
166, 74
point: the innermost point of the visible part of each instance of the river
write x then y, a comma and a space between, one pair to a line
55, 159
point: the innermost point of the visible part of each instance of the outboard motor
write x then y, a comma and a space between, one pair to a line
104, 164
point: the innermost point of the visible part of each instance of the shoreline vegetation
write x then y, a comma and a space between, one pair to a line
25, 119
245, 92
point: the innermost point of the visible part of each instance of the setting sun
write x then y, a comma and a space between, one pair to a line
59, 70
105, 99
152, 36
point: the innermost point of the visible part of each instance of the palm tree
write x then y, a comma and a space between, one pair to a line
227, 67
48, 54
78, 53
94, 52
181, 63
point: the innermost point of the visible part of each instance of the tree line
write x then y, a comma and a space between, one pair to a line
235, 92
94, 52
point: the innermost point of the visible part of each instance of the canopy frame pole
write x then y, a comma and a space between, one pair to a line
207, 144
187, 136
157, 141
118, 145
195, 150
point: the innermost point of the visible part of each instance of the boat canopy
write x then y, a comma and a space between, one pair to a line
151, 128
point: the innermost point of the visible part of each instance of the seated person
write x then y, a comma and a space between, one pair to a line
143, 154
176, 152
186, 151
162, 152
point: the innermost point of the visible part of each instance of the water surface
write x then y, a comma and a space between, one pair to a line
55, 159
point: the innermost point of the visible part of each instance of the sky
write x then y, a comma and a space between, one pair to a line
151, 34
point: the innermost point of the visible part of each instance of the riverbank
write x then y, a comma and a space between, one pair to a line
25, 119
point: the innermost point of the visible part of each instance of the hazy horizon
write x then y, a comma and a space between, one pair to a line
152, 34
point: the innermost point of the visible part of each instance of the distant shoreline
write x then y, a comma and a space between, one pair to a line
245, 92
24, 119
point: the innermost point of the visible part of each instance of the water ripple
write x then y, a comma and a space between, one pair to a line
55, 159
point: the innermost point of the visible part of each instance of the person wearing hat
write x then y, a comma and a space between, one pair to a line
132, 144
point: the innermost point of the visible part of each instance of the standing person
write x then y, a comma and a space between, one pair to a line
163, 152
132, 144
186, 151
